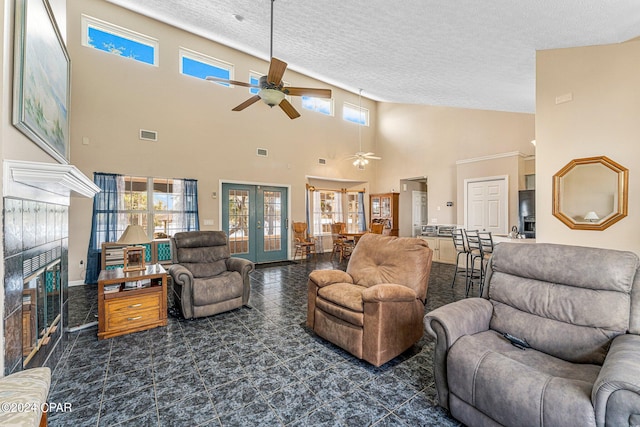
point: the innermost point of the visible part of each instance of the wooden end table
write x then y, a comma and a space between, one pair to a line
134, 301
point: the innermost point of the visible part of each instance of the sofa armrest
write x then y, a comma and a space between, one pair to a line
181, 275
447, 324
241, 265
322, 278
244, 267
616, 392
23, 396
184, 279
388, 292
464, 317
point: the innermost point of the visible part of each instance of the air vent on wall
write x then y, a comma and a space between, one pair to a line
262, 152
322, 161
148, 135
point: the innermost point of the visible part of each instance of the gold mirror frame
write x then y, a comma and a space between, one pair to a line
619, 209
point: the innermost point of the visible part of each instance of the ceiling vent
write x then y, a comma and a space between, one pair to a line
322, 161
262, 152
148, 135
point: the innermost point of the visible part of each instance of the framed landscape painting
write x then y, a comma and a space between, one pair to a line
41, 79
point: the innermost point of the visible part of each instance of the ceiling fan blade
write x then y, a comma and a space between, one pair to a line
276, 71
373, 157
307, 91
289, 110
233, 82
246, 103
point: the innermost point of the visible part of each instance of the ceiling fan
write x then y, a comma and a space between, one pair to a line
272, 90
362, 158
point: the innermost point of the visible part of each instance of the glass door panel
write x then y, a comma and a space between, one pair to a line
239, 204
272, 219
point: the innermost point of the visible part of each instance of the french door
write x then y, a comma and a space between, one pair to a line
255, 219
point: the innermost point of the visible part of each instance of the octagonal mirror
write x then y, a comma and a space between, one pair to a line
590, 193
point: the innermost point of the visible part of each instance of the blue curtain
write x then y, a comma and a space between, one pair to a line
191, 218
104, 226
361, 217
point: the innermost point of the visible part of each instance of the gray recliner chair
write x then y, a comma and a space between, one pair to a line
576, 311
206, 279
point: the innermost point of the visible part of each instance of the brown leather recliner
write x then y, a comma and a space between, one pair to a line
373, 310
206, 279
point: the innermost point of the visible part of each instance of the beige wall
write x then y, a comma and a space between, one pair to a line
199, 136
602, 119
114, 97
422, 140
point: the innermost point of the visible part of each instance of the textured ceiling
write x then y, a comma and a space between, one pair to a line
465, 53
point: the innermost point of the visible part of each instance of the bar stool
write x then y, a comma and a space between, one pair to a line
481, 247
475, 253
486, 249
461, 248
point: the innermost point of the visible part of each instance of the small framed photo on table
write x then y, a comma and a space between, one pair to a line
134, 258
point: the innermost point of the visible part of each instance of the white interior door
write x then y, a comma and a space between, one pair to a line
419, 211
487, 204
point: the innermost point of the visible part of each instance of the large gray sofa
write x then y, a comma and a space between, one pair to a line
579, 310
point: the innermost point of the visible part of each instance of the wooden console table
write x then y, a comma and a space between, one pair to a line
137, 301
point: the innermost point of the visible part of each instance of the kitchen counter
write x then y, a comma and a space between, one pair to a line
499, 238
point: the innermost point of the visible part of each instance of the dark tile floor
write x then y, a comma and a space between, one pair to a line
248, 367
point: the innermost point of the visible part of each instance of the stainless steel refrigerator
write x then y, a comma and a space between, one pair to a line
527, 209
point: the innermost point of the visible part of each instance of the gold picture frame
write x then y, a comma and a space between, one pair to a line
134, 258
591, 193
41, 83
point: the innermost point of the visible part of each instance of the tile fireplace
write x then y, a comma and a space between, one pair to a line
36, 198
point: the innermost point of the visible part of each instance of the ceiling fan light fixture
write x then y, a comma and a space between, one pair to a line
360, 162
271, 97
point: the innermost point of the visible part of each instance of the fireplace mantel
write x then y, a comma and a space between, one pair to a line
46, 181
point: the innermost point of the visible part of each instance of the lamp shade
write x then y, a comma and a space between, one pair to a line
271, 97
134, 235
591, 216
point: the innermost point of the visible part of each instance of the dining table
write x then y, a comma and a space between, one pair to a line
354, 236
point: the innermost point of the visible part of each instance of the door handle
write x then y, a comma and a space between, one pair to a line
258, 225
286, 223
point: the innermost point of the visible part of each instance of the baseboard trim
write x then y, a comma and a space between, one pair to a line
76, 283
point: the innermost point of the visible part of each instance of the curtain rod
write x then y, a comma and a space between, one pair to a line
342, 190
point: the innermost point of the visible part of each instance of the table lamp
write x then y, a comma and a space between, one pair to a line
134, 254
591, 216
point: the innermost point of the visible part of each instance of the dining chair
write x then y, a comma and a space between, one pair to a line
341, 246
304, 245
377, 227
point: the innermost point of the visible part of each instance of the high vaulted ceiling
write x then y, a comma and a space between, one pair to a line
464, 53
